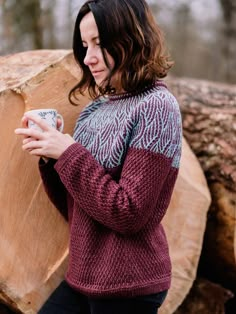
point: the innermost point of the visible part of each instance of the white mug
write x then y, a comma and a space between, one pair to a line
50, 116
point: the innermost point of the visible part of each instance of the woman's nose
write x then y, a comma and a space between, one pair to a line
90, 57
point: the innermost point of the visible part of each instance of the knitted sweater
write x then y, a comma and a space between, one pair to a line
114, 186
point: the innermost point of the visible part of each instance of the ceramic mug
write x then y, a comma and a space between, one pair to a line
50, 116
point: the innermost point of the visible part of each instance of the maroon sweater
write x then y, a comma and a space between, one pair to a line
114, 186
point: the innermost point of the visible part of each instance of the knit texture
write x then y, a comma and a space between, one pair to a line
114, 186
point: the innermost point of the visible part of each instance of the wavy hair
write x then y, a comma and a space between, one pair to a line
129, 33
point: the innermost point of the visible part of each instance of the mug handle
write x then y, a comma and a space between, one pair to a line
62, 122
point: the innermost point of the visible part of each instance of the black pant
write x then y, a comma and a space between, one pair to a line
65, 300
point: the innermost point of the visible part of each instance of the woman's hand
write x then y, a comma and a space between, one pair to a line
50, 143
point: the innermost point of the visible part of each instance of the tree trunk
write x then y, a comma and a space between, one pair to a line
229, 38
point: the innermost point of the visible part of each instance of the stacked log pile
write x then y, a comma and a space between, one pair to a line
43, 79
209, 123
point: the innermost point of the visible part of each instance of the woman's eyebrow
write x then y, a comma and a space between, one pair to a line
93, 39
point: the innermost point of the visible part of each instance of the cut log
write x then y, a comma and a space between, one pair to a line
185, 226
33, 239
34, 236
205, 297
209, 121
218, 255
5, 310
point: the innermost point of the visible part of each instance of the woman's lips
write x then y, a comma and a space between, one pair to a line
96, 73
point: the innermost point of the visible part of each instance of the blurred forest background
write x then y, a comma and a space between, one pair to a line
201, 34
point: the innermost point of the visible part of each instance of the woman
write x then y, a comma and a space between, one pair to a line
114, 179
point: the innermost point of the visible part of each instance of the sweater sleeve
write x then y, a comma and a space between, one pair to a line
126, 206
53, 186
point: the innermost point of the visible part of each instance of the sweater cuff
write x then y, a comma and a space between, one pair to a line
73, 150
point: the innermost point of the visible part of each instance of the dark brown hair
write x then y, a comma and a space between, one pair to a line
129, 33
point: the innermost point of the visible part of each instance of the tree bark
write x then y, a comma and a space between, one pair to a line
205, 297
209, 122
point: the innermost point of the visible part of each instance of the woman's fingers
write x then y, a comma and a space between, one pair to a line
36, 152
29, 133
24, 122
59, 123
51, 143
27, 140
33, 144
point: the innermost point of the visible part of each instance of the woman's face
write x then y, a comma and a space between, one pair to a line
94, 58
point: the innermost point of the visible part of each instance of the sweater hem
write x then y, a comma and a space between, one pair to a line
128, 291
